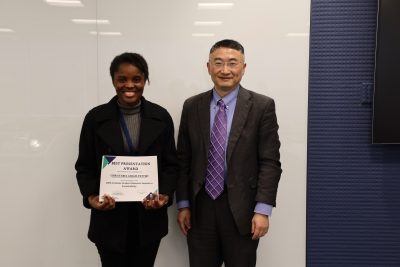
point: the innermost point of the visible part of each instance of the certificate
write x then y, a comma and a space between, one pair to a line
129, 178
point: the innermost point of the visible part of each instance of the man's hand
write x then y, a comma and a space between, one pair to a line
155, 201
108, 202
259, 225
184, 220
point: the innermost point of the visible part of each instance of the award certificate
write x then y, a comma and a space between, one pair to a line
129, 178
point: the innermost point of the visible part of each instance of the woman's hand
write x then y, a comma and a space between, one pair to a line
108, 202
155, 201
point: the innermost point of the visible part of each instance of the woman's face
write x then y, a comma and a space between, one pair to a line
129, 83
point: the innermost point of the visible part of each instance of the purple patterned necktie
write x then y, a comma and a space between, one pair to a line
216, 154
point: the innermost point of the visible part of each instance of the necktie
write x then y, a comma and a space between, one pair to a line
216, 154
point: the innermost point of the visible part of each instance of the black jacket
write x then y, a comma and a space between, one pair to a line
101, 135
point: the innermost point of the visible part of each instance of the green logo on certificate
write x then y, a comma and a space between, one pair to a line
107, 160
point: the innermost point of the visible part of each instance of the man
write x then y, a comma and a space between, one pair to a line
228, 147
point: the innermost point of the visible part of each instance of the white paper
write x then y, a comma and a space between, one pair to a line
129, 178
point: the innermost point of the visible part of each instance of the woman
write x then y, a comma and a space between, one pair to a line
127, 233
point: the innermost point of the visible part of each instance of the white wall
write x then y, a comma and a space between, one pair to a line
53, 71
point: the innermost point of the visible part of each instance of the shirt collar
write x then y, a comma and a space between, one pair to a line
228, 99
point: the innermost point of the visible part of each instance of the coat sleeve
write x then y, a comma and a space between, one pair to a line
268, 156
86, 173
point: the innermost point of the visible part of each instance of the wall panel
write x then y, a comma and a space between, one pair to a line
53, 71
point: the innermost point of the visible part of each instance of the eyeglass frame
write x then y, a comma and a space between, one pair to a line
231, 64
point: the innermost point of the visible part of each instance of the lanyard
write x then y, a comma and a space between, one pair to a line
122, 122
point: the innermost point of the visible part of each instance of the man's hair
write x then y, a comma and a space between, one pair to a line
131, 58
227, 43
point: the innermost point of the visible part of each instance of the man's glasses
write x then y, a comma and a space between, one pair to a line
230, 64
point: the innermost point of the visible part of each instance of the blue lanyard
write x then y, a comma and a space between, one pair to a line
122, 122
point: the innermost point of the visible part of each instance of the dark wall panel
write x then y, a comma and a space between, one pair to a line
353, 191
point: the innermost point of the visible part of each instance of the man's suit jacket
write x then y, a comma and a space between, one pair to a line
101, 135
253, 166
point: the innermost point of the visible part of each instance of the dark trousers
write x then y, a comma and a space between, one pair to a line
214, 237
135, 256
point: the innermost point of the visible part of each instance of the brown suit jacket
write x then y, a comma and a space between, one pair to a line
253, 155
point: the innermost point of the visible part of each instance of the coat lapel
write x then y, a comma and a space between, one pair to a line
151, 127
150, 130
204, 118
109, 130
243, 106
111, 134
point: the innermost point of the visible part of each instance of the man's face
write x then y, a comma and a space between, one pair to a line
129, 83
226, 67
